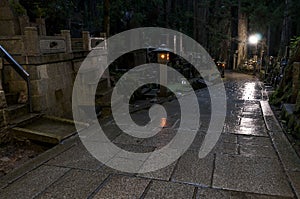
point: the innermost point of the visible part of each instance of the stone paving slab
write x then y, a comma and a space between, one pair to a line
127, 139
228, 138
162, 174
36, 162
33, 183
226, 148
255, 131
162, 189
161, 139
207, 193
251, 174
76, 157
243, 164
258, 151
122, 187
191, 169
75, 184
254, 140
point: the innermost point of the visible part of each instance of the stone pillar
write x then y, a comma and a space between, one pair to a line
24, 22
86, 41
67, 35
296, 81
31, 41
42, 26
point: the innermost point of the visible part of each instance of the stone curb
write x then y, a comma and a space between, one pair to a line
285, 151
38, 161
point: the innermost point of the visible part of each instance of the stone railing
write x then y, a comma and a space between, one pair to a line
95, 41
87, 43
52, 44
33, 44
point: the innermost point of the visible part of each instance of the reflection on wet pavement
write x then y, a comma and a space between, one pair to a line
249, 91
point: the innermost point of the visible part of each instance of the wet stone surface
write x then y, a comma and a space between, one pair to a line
121, 186
251, 174
252, 158
161, 189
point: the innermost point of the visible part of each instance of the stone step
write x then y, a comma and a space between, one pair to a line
11, 98
52, 130
15, 111
25, 119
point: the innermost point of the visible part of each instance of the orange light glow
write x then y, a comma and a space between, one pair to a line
162, 56
163, 122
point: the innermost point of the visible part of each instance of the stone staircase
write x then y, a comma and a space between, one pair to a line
35, 126
13, 113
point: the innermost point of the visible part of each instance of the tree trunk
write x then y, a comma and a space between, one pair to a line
286, 30
242, 34
200, 21
107, 17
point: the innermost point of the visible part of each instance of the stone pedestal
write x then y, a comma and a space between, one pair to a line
24, 22
67, 35
31, 41
86, 41
41, 25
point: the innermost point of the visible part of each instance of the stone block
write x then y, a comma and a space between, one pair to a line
17, 86
86, 41
52, 70
39, 103
2, 99
6, 13
53, 45
33, 72
66, 34
42, 71
31, 41
39, 87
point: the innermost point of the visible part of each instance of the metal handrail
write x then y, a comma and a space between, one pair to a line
20, 70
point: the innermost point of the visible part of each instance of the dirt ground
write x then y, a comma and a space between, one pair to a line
14, 153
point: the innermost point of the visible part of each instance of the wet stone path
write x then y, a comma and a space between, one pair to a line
252, 158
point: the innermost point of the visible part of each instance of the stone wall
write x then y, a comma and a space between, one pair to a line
9, 24
52, 78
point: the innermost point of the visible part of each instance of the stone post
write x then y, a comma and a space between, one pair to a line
296, 81
24, 22
31, 42
42, 26
86, 41
67, 35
